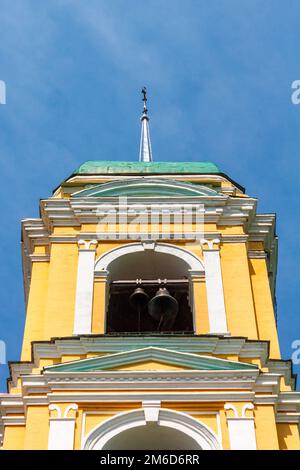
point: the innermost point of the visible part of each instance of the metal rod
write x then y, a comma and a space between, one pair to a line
150, 281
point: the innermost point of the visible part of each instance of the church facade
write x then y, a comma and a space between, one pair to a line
151, 319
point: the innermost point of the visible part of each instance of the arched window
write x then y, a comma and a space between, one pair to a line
149, 289
171, 430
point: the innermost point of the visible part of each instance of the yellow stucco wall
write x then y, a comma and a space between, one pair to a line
265, 427
263, 303
288, 436
59, 314
37, 428
14, 438
35, 316
237, 290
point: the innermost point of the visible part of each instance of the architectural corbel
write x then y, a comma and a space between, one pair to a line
62, 427
241, 427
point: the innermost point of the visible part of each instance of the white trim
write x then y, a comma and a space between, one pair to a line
241, 433
241, 428
214, 289
192, 261
84, 289
98, 437
61, 434
61, 428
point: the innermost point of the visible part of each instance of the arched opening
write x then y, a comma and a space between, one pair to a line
170, 430
151, 437
164, 299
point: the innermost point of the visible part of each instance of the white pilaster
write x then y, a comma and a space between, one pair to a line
214, 287
61, 429
241, 429
84, 288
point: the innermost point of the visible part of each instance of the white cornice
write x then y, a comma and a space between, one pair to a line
140, 380
292, 418
217, 346
96, 397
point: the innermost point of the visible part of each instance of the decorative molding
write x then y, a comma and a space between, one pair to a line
241, 429
56, 408
204, 344
151, 410
257, 254
205, 438
162, 380
61, 429
39, 258
86, 244
230, 406
192, 261
139, 396
210, 243
150, 353
291, 418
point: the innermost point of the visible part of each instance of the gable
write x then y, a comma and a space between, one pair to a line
150, 354
147, 187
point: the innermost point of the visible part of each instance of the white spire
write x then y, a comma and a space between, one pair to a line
145, 145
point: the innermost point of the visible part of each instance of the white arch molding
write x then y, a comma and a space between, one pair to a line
203, 436
195, 267
192, 261
87, 270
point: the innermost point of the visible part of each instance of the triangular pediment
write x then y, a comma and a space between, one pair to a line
147, 187
151, 355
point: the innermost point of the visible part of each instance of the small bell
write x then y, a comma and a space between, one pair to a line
139, 298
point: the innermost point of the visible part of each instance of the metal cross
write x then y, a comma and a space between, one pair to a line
144, 93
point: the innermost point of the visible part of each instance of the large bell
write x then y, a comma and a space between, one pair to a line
163, 307
139, 298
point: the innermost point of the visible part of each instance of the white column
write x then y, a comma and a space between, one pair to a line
214, 287
241, 429
84, 288
61, 429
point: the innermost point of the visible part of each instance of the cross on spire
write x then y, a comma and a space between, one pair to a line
145, 145
144, 99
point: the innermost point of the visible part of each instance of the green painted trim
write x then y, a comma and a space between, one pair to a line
119, 167
110, 361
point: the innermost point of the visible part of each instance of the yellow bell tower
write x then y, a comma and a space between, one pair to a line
150, 324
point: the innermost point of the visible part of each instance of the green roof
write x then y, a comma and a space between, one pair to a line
150, 353
117, 167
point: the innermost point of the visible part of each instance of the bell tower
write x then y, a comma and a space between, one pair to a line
150, 315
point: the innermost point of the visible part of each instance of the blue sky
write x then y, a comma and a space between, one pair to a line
219, 76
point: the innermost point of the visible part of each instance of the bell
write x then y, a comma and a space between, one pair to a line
163, 307
139, 298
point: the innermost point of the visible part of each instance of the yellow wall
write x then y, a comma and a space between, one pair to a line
37, 428
288, 436
264, 305
35, 316
237, 290
265, 426
60, 306
14, 438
